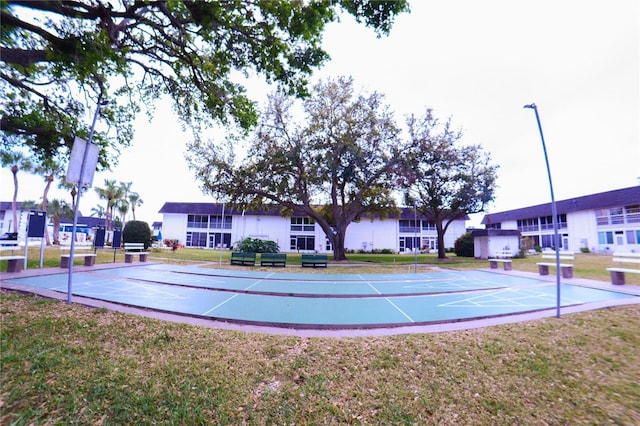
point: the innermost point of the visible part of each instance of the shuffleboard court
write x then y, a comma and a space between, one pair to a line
318, 301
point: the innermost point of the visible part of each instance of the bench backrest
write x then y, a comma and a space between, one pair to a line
134, 246
563, 255
274, 256
243, 255
626, 257
321, 257
76, 248
503, 254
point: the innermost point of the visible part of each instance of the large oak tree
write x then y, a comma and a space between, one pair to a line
445, 179
58, 57
333, 161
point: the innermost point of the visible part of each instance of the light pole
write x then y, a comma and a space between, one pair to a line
554, 211
80, 186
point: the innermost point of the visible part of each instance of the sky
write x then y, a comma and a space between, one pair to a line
477, 63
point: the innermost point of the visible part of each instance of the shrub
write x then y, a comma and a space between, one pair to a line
256, 245
137, 231
464, 246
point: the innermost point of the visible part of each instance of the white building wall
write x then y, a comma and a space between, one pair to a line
581, 227
261, 227
174, 227
372, 235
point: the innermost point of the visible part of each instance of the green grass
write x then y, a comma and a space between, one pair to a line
68, 364
63, 364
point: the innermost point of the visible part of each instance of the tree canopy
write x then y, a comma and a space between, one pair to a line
444, 179
333, 162
60, 57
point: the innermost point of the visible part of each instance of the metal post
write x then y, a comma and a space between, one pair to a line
554, 211
415, 237
221, 234
75, 212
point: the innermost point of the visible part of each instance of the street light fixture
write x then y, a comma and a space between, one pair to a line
554, 211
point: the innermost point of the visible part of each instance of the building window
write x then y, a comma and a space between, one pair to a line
408, 226
605, 237
429, 243
196, 239
219, 240
217, 222
602, 217
528, 225
632, 237
616, 215
303, 242
633, 213
409, 243
546, 222
494, 226
305, 224
197, 221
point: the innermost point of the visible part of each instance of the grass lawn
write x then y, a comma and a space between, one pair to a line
64, 364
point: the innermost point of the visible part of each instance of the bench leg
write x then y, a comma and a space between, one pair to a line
507, 266
493, 265
543, 269
89, 260
617, 278
14, 265
64, 262
128, 258
143, 257
567, 272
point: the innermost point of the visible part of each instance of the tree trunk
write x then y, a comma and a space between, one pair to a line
441, 249
338, 245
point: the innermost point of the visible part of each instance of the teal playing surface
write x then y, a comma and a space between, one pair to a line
320, 300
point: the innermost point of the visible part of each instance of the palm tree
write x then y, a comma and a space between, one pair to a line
50, 169
73, 190
98, 211
123, 204
57, 210
17, 161
134, 201
123, 207
111, 192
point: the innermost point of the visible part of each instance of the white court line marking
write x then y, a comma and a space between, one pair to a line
399, 310
374, 289
523, 300
220, 304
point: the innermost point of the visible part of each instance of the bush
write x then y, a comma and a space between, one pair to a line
137, 231
464, 246
256, 245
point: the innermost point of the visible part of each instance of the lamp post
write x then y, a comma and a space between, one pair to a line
80, 185
554, 210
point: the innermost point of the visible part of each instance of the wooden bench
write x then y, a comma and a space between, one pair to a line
89, 258
617, 274
133, 249
14, 261
503, 257
243, 258
273, 259
566, 269
315, 260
